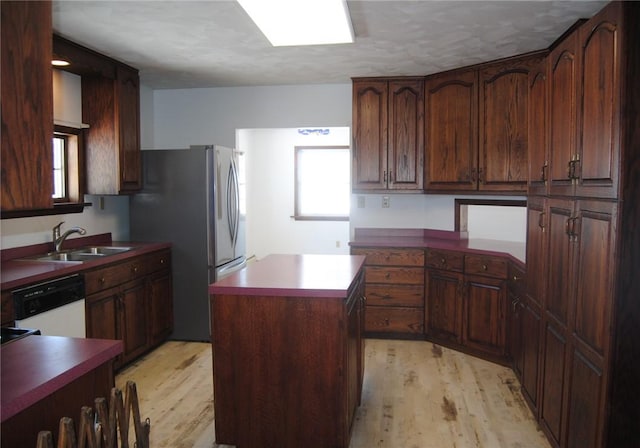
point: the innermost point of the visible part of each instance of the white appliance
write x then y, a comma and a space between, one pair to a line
193, 198
56, 307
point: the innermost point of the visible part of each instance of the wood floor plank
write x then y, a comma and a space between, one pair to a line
415, 395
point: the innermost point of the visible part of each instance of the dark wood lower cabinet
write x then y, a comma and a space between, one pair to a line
484, 322
553, 382
131, 301
444, 305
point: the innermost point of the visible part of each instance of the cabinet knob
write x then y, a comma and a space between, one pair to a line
443, 261
162, 261
387, 275
102, 280
516, 278
386, 322
484, 267
134, 269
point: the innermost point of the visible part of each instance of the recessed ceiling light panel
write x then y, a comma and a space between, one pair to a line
301, 22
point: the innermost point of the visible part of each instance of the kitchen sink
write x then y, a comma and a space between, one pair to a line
102, 250
81, 254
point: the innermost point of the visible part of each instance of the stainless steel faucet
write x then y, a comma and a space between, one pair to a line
59, 239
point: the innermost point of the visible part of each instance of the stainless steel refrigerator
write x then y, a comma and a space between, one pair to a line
193, 198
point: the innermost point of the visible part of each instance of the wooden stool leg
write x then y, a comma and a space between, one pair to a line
45, 439
67, 435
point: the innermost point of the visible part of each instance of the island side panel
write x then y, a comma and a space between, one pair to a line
279, 371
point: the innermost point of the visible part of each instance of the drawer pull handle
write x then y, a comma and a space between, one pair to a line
386, 322
484, 267
387, 275
134, 269
516, 278
102, 280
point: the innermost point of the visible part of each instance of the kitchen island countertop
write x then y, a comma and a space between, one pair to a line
293, 275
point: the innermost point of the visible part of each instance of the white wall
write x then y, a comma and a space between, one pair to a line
270, 200
206, 116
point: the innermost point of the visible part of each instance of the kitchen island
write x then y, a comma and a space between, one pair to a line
45, 378
287, 351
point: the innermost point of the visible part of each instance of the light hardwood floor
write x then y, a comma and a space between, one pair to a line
415, 395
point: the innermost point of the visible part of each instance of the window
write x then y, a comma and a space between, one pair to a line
59, 168
322, 183
67, 165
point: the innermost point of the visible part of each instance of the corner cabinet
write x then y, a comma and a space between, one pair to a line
112, 109
466, 302
477, 127
27, 106
131, 301
388, 134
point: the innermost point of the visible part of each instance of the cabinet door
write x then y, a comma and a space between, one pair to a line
586, 403
27, 106
530, 327
160, 306
594, 230
406, 134
537, 247
563, 85
101, 314
559, 270
553, 382
538, 142
484, 321
133, 319
451, 123
369, 167
444, 305
503, 125
600, 57
128, 113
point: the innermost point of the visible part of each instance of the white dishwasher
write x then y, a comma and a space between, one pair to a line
55, 307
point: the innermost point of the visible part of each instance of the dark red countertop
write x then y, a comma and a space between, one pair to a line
293, 275
438, 239
36, 366
15, 273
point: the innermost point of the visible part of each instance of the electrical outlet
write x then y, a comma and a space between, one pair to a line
386, 202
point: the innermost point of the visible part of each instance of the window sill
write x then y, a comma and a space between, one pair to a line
57, 209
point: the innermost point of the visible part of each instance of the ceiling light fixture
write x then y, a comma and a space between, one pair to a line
60, 63
301, 22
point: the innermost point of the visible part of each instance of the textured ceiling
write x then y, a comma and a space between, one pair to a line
184, 44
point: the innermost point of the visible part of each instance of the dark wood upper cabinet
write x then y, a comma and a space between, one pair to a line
451, 128
538, 143
563, 75
503, 124
369, 135
388, 134
111, 108
406, 134
27, 106
597, 157
477, 127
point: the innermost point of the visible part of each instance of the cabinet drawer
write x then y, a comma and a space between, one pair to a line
111, 276
484, 265
394, 320
395, 295
392, 257
444, 259
156, 261
403, 276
